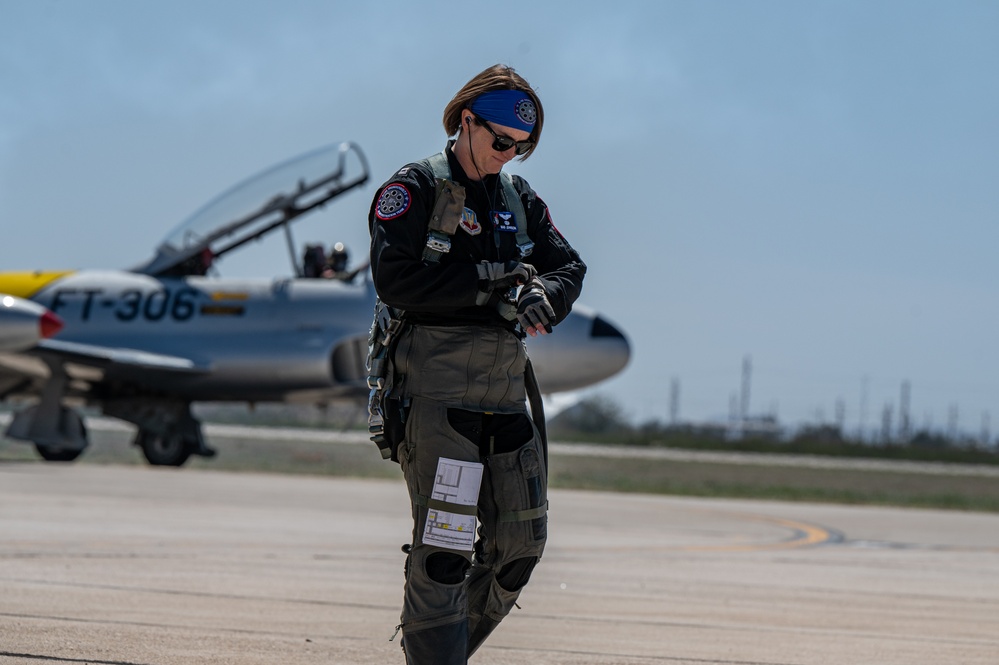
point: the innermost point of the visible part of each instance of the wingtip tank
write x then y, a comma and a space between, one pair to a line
23, 323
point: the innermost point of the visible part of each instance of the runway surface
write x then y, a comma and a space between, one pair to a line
115, 565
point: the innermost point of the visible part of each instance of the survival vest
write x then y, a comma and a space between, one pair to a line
388, 322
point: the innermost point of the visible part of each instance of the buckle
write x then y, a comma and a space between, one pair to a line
393, 327
383, 316
438, 245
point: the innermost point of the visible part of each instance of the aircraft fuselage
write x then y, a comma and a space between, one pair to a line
253, 339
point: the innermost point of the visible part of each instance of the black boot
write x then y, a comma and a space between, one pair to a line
483, 627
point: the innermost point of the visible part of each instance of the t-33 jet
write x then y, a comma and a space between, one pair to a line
143, 344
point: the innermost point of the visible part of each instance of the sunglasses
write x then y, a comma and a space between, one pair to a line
504, 143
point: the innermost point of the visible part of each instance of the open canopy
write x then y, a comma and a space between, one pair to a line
257, 206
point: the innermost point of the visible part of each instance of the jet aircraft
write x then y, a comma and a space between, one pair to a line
143, 344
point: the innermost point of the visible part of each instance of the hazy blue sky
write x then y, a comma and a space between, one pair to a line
812, 184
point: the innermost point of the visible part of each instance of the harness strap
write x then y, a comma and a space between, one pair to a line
516, 205
449, 205
506, 516
537, 407
524, 515
385, 328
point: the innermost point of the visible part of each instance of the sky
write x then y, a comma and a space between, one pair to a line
809, 186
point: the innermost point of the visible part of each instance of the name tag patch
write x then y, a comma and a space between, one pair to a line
504, 221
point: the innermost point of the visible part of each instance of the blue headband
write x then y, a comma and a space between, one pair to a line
510, 108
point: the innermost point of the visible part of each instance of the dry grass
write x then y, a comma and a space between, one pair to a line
694, 478
778, 482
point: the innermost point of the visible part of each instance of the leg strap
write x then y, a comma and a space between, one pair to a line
524, 515
437, 504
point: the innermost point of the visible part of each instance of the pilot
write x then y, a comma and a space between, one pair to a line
313, 261
197, 264
336, 265
338, 259
467, 260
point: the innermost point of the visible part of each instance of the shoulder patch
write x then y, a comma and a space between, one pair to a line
393, 202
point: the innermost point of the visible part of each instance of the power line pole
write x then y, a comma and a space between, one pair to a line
840, 416
747, 373
862, 417
674, 400
733, 415
904, 433
886, 425
952, 424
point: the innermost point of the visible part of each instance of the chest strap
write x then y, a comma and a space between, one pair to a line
449, 205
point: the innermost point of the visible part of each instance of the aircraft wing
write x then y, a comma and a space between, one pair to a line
27, 372
104, 357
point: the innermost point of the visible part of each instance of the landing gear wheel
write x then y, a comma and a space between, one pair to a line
71, 439
53, 454
163, 450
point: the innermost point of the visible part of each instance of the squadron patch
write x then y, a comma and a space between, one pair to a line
393, 202
470, 223
504, 221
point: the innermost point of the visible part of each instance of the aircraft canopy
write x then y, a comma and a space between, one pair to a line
257, 206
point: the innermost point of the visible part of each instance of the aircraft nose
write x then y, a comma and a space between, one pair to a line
585, 349
603, 328
616, 348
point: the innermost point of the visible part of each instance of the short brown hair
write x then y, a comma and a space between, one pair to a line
497, 77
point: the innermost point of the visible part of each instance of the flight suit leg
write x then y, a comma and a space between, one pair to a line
470, 372
435, 607
514, 528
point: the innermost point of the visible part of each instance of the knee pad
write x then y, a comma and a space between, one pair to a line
515, 574
446, 568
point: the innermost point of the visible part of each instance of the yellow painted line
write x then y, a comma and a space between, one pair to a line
27, 284
803, 535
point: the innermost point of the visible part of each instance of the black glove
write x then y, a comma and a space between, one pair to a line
534, 312
501, 277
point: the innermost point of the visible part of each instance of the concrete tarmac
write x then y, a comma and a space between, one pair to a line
108, 565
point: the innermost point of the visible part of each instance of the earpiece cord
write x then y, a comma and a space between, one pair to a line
490, 198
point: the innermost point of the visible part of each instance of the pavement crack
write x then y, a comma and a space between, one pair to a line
60, 659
